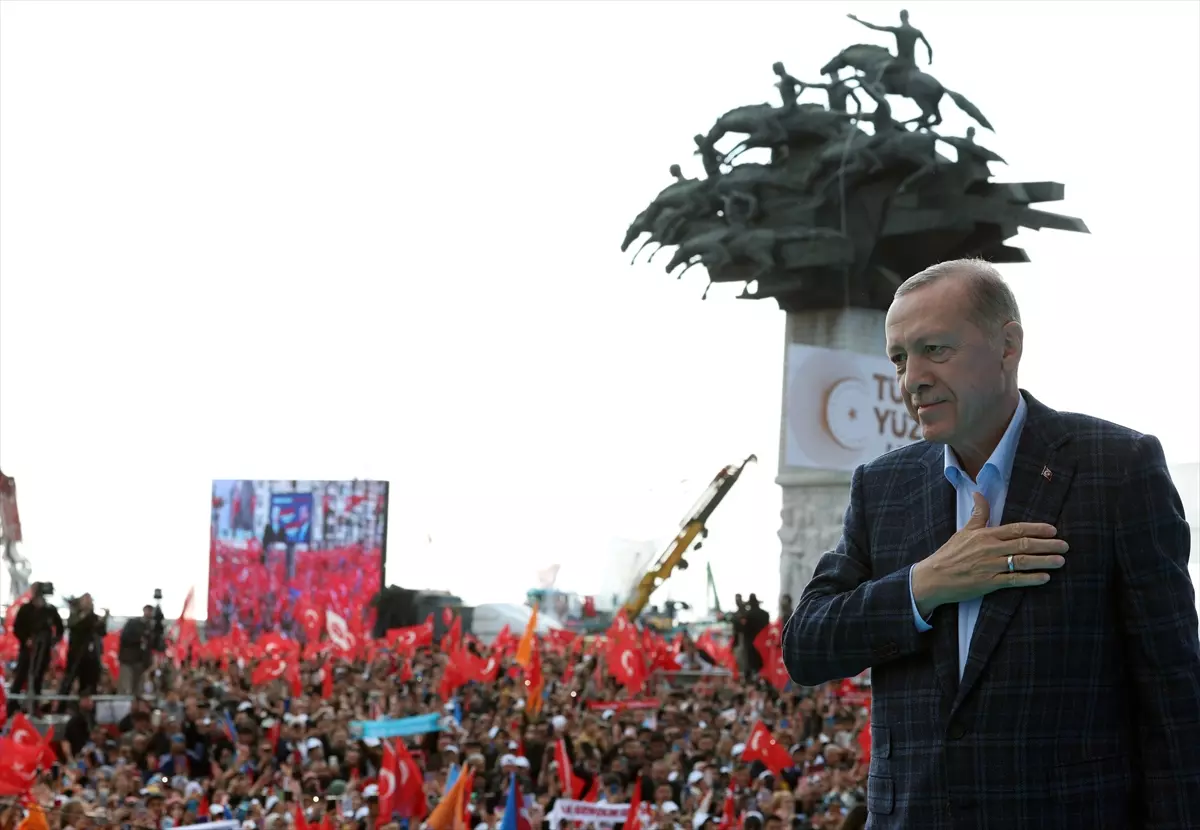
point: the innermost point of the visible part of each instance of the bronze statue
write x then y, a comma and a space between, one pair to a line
907, 36
972, 158
789, 88
709, 157
839, 92
827, 222
678, 195
767, 126
922, 89
761, 246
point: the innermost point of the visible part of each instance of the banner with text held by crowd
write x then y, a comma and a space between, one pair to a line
587, 812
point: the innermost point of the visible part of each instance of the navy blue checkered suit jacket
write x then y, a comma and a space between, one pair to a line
1079, 706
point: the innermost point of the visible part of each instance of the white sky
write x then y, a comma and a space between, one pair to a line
380, 240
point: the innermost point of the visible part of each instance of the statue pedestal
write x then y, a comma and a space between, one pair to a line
814, 501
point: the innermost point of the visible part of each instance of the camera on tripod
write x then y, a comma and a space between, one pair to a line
158, 633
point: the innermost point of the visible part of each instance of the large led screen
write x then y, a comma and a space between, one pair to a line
285, 552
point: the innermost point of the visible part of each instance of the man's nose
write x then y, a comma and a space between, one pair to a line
916, 376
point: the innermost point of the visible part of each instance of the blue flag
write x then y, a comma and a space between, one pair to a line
514, 818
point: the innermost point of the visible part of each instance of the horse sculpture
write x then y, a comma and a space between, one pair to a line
901, 78
683, 195
768, 126
763, 247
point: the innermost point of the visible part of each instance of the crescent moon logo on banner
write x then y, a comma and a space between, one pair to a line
279, 669
756, 740
387, 781
627, 662
403, 775
491, 666
410, 637
23, 737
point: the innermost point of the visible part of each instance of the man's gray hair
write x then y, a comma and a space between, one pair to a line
992, 302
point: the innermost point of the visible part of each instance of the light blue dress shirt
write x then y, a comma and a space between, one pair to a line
993, 484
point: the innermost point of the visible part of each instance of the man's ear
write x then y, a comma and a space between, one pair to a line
1012, 343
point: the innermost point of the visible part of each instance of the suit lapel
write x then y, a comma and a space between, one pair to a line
932, 521
1041, 478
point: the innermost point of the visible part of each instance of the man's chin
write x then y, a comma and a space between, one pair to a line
935, 433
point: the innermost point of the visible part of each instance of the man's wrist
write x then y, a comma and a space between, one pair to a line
922, 589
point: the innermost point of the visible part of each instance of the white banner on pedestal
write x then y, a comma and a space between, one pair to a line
841, 409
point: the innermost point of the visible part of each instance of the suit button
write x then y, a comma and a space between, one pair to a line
889, 650
957, 730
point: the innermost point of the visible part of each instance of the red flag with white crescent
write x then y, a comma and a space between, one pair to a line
410, 788
388, 776
626, 665
762, 746
268, 670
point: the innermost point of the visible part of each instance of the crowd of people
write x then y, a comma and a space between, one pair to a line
260, 733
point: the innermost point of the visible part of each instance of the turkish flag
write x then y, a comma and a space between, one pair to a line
769, 644
388, 776
410, 789
762, 746
621, 628
454, 636
21, 753
633, 819
24, 733
728, 814
18, 766
310, 619
327, 681
411, 638
626, 665
268, 670
571, 785
479, 669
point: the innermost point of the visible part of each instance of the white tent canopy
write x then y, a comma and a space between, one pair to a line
490, 618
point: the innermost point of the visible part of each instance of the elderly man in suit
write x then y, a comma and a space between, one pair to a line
1018, 584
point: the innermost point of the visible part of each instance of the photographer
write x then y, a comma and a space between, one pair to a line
140, 638
86, 633
38, 628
